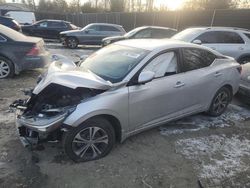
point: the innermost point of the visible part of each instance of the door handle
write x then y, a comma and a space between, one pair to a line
241, 48
217, 74
179, 84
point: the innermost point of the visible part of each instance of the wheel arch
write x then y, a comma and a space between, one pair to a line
243, 56
228, 86
114, 121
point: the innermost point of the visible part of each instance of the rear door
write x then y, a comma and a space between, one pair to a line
201, 80
226, 42
54, 28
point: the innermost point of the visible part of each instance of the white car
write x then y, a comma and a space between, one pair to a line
233, 42
123, 89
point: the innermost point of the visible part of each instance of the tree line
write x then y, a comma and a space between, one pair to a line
91, 6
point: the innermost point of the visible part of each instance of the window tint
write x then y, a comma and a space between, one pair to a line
43, 24
94, 27
196, 59
162, 33
220, 37
108, 28
2, 39
163, 65
248, 35
146, 33
56, 25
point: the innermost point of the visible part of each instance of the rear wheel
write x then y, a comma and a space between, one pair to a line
92, 140
72, 42
244, 60
220, 102
6, 68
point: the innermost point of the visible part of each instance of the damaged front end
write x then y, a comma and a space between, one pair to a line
40, 118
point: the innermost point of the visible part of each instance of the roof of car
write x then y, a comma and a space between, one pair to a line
108, 24
51, 20
220, 28
156, 27
154, 44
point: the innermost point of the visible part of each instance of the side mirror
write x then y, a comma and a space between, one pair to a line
86, 31
197, 42
145, 77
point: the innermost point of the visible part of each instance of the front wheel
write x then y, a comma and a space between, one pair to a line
220, 102
91, 140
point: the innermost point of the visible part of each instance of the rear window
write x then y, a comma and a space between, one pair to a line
108, 28
220, 37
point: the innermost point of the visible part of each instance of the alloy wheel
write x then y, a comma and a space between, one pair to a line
72, 43
220, 102
4, 69
90, 143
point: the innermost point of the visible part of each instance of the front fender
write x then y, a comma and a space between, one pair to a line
113, 103
74, 119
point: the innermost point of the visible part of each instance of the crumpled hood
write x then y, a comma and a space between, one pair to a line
245, 74
70, 76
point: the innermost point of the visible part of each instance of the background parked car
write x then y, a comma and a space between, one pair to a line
244, 90
48, 29
10, 22
92, 34
142, 32
19, 52
22, 17
234, 42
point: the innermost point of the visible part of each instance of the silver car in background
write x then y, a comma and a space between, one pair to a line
123, 89
92, 34
233, 42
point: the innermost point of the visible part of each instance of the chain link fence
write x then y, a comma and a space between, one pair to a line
174, 19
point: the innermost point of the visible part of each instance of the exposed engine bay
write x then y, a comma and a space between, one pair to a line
40, 117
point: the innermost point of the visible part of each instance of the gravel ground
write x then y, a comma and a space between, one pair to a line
196, 151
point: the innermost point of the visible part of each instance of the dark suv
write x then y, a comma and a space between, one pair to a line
48, 29
10, 22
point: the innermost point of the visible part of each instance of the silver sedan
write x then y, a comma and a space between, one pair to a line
123, 89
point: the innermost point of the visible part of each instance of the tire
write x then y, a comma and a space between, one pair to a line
220, 102
7, 69
80, 148
244, 60
72, 42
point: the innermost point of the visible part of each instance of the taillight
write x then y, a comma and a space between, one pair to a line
34, 51
239, 69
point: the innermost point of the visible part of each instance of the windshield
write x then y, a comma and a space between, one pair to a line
113, 62
186, 34
132, 32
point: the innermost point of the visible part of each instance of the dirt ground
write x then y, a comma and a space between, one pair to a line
197, 151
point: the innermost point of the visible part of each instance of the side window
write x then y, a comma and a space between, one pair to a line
248, 35
163, 65
43, 24
220, 37
2, 39
162, 33
56, 25
108, 28
94, 28
197, 58
146, 33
